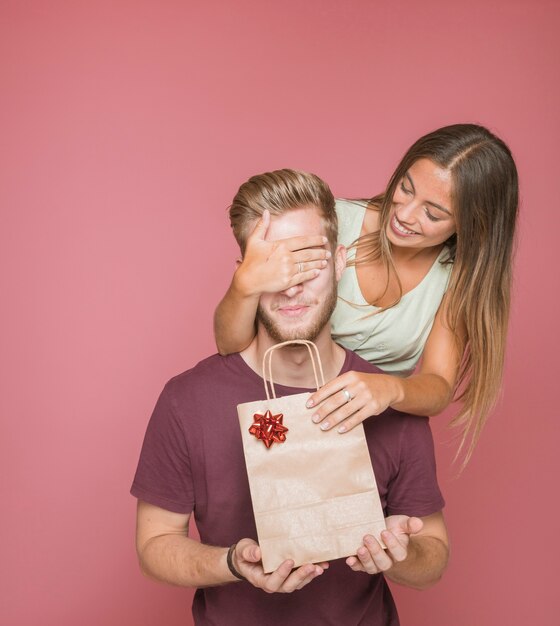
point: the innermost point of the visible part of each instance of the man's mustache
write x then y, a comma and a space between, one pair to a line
289, 302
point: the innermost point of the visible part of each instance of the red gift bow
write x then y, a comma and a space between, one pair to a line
269, 428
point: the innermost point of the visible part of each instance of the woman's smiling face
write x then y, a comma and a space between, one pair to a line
422, 215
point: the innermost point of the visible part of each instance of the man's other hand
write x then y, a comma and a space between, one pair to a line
247, 561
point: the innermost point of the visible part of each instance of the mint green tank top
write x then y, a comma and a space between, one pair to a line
393, 339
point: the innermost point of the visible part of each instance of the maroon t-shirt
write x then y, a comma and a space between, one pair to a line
192, 461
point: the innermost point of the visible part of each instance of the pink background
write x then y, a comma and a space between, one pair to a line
126, 128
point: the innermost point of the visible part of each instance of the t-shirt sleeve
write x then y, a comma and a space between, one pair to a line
163, 476
414, 490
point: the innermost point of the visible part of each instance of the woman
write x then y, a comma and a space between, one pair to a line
429, 275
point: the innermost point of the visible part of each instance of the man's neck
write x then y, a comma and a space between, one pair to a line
291, 365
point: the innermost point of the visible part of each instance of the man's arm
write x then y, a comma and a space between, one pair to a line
167, 554
416, 555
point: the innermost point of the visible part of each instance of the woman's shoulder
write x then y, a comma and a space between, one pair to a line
350, 209
350, 206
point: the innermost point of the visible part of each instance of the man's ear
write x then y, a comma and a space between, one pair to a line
339, 261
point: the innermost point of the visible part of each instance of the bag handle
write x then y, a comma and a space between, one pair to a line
315, 362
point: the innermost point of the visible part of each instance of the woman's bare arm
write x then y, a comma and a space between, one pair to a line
427, 392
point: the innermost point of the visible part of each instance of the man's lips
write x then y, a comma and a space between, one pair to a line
293, 310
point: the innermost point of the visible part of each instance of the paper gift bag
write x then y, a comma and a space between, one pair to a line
314, 492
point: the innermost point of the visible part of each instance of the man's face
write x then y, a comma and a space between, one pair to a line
301, 311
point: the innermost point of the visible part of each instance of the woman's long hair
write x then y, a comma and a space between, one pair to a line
477, 302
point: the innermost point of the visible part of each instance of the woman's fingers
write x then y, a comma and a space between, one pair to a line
311, 254
303, 267
303, 277
261, 227
351, 422
302, 243
327, 391
305, 262
351, 398
345, 417
338, 400
334, 410
278, 265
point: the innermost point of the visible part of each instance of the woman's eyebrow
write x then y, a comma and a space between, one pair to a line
410, 181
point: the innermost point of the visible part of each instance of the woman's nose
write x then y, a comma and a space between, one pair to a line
406, 213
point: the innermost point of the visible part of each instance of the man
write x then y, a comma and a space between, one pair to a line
192, 459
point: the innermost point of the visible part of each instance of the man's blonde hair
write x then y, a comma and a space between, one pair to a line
281, 191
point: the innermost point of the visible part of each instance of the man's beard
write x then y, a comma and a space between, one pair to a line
309, 331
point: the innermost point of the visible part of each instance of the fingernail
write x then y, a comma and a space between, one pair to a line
325, 240
329, 254
324, 426
316, 419
309, 404
341, 429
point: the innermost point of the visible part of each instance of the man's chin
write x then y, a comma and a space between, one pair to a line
291, 334
309, 328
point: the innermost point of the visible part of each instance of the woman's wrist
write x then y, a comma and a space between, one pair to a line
242, 286
398, 391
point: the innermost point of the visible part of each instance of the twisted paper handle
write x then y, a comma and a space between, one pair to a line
315, 362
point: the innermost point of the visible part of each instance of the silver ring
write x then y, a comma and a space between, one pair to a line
300, 267
347, 394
